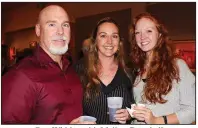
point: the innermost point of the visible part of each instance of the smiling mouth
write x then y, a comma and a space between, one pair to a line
108, 47
60, 40
144, 43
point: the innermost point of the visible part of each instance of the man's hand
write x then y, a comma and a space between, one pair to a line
77, 121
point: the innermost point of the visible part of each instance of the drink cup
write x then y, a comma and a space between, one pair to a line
141, 105
87, 118
114, 103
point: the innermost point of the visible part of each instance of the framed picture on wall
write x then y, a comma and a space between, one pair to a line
186, 50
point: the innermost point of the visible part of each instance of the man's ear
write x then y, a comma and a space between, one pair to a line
38, 30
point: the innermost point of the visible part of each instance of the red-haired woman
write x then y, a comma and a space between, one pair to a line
164, 82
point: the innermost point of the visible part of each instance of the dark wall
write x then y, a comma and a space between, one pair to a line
178, 17
85, 26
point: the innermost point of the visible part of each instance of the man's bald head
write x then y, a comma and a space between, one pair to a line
49, 10
53, 30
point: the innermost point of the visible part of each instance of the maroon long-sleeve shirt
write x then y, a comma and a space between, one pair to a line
37, 91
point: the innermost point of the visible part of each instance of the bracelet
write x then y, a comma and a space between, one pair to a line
165, 119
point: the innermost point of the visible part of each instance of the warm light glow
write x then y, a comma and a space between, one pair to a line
12, 53
32, 44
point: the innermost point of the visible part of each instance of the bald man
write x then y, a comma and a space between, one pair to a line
43, 88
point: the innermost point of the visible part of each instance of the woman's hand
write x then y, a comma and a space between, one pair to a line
144, 114
122, 116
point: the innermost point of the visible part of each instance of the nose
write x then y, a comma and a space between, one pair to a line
143, 35
109, 39
60, 30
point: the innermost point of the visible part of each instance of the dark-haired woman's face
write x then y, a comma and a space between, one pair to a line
146, 34
107, 40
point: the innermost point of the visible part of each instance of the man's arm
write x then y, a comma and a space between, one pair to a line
18, 98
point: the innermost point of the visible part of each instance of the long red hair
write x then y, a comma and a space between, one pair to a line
163, 69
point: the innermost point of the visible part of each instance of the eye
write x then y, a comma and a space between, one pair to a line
102, 36
136, 33
51, 25
115, 36
66, 25
149, 31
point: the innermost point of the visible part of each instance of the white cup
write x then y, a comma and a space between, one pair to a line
114, 103
132, 108
87, 118
141, 105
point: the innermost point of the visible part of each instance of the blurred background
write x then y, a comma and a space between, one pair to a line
19, 18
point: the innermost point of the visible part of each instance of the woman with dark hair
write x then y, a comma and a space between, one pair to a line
164, 82
107, 74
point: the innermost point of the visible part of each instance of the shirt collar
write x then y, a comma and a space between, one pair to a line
44, 59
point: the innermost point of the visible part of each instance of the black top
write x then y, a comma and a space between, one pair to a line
120, 86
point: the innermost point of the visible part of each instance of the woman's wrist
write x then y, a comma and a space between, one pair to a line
158, 120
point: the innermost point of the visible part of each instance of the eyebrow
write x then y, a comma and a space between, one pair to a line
146, 28
106, 33
53, 21
50, 21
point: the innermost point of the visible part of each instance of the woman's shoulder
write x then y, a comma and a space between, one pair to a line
126, 75
180, 61
182, 64
124, 72
184, 70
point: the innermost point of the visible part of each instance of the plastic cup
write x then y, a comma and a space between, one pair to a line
87, 118
141, 105
114, 103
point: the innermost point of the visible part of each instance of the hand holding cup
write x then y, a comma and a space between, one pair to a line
84, 120
114, 104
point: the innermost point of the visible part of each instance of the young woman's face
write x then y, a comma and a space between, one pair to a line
107, 40
146, 34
